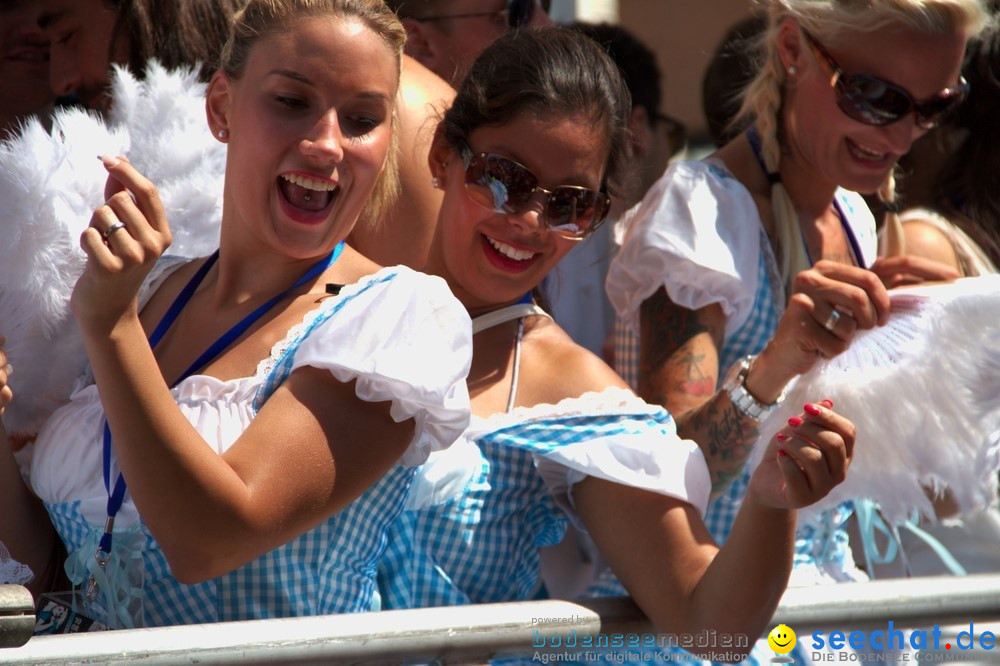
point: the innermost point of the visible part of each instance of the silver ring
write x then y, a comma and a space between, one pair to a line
831, 321
112, 229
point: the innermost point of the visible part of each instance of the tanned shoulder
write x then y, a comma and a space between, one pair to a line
554, 367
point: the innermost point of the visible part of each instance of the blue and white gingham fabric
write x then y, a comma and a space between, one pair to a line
330, 569
481, 544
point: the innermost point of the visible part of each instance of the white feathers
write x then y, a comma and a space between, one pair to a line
924, 394
50, 184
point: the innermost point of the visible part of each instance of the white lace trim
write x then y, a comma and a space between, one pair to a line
279, 349
12, 572
612, 400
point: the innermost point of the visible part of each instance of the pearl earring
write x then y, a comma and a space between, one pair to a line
222, 134
436, 183
792, 71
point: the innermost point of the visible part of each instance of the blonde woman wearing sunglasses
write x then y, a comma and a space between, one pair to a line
765, 252
525, 160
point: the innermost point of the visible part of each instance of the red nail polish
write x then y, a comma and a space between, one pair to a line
782, 453
827, 402
812, 409
781, 437
795, 422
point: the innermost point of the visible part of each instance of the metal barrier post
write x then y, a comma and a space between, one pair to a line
17, 616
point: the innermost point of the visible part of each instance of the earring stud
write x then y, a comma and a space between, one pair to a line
222, 134
436, 183
792, 71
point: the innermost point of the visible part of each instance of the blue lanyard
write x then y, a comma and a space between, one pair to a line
772, 178
116, 497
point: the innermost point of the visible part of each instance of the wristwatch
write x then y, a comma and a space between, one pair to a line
735, 386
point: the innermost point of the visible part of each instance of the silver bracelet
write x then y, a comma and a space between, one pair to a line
735, 387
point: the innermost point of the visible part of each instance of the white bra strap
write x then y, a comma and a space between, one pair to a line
497, 317
512, 396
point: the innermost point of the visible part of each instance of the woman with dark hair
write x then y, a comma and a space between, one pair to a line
526, 155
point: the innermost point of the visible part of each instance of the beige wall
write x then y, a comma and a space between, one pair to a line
683, 33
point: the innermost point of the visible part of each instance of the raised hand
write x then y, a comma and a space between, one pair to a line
805, 460
125, 238
830, 303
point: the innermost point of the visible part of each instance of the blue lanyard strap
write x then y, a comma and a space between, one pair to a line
117, 496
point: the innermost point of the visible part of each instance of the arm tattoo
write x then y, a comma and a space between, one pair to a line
667, 363
724, 434
673, 372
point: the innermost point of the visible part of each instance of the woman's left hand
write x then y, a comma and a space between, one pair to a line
126, 236
805, 460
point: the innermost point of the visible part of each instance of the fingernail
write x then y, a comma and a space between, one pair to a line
827, 403
781, 437
795, 421
812, 409
782, 453
108, 160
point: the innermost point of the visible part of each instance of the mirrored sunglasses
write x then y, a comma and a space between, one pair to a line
504, 186
873, 101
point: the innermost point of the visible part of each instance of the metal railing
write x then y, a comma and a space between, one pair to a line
473, 634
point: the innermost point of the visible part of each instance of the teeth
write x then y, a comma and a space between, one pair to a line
510, 252
867, 153
309, 183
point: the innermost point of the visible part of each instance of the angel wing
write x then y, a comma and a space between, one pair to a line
50, 184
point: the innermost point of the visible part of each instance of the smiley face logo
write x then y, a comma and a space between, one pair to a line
781, 639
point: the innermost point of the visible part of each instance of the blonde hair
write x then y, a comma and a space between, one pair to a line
833, 21
259, 18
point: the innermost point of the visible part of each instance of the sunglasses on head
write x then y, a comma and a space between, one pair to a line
504, 186
518, 13
873, 101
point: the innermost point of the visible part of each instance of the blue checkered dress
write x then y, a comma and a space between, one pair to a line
481, 544
822, 545
332, 567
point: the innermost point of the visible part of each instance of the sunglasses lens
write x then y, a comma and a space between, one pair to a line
575, 211
873, 101
504, 186
498, 183
930, 113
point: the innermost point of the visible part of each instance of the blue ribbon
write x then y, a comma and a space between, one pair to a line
95, 565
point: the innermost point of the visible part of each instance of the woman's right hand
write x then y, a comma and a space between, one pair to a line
118, 262
809, 329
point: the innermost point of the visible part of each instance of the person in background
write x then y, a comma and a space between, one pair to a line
951, 212
277, 404
447, 36
90, 36
732, 67
24, 66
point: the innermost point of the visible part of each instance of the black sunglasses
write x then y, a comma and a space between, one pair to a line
504, 186
870, 100
518, 13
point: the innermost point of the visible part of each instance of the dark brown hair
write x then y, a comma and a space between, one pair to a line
546, 72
